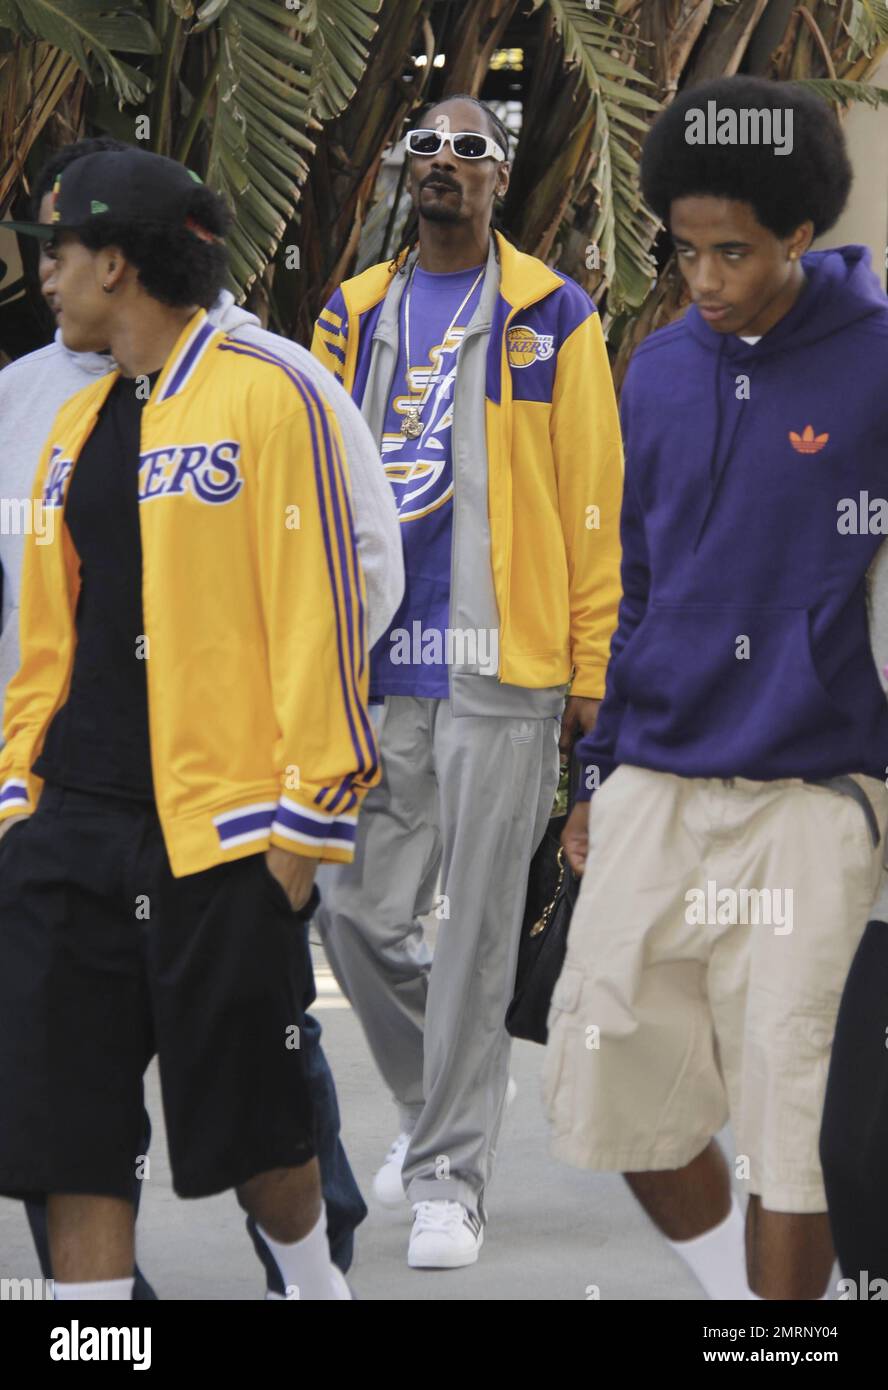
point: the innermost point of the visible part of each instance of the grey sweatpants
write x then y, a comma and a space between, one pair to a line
450, 829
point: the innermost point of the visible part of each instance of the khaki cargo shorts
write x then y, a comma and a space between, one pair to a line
708, 950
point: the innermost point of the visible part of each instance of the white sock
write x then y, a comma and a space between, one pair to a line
96, 1288
305, 1265
718, 1257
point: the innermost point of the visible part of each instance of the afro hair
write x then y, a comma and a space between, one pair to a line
808, 182
173, 264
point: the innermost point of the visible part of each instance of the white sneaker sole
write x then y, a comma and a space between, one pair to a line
446, 1259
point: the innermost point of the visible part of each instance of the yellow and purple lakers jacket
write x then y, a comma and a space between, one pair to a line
551, 437
254, 609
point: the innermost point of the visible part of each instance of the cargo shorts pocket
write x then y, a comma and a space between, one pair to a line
564, 1051
797, 1084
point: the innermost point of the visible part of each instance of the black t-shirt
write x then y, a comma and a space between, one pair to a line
98, 740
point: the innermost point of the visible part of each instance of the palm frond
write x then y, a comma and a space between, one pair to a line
598, 43
207, 14
867, 25
34, 80
280, 68
341, 34
92, 32
843, 92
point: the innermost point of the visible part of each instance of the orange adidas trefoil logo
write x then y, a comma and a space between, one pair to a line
807, 442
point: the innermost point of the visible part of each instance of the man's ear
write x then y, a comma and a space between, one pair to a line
502, 179
800, 240
112, 266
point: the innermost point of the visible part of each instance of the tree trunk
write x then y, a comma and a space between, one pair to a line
482, 26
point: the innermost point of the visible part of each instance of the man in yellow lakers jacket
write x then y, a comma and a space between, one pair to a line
186, 739
484, 378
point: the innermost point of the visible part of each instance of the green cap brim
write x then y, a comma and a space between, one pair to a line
44, 230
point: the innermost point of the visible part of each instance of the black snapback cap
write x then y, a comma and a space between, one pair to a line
123, 185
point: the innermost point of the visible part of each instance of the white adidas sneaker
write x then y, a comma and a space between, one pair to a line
387, 1186
388, 1189
445, 1235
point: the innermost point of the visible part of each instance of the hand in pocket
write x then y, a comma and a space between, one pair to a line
294, 872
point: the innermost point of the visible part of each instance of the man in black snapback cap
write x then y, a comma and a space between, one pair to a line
182, 651
120, 186
168, 226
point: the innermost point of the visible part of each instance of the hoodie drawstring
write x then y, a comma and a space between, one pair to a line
716, 474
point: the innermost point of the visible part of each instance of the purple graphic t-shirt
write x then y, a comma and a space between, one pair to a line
410, 658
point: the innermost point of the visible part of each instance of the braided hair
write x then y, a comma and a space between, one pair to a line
410, 235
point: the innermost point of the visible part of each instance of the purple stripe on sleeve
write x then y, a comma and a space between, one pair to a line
321, 831
331, 456
14, 792
344, 788
353, 532
242, 825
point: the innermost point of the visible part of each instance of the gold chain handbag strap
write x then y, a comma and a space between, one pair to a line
543, 922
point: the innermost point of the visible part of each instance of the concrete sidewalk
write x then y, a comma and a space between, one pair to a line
554, 1232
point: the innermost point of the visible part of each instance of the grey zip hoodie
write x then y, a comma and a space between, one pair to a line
34, 387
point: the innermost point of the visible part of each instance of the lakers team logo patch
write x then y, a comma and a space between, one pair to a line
525, 346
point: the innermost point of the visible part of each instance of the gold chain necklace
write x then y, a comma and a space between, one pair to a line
411, 425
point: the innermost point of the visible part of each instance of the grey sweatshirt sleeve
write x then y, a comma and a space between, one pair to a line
9, 655
18, 462
31, 391
877, 581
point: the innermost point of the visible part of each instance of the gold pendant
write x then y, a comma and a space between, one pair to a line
411, 425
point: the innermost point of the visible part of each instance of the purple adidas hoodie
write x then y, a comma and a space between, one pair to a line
750, 518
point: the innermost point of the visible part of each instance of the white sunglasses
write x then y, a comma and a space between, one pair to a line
466, 144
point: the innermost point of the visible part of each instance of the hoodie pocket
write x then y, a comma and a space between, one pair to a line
739, 686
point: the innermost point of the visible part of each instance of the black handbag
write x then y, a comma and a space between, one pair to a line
552, 888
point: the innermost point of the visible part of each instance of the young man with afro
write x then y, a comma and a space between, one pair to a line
731, 836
